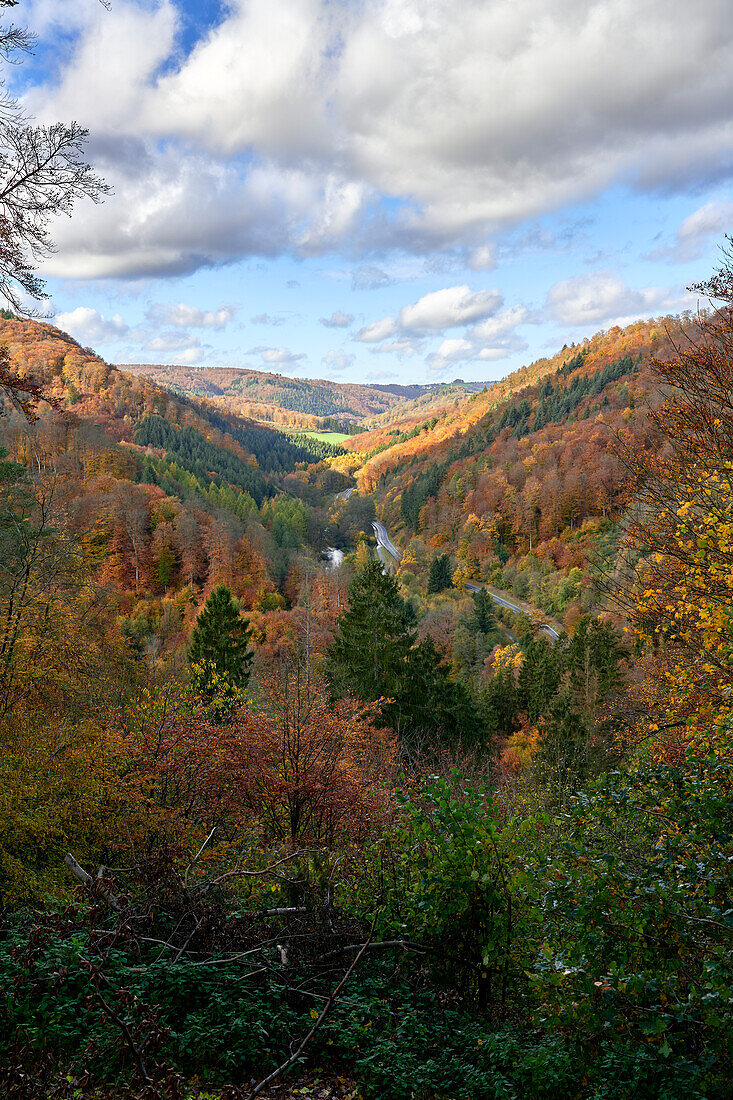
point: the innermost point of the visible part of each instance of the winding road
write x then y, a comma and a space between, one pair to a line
513, 607
384, 542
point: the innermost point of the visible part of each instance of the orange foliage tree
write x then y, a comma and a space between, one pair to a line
310, 769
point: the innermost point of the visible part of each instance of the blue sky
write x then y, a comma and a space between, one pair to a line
406, 190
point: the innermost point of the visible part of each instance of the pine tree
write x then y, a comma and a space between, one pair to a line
219, 655
372, 638
440, 576
483, 619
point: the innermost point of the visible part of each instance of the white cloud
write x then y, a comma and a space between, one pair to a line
713, 219
172, 341
603, 298
378, 330
192, 354
183, 316
502, 323
490, 333
454, 305
341, 203
404, 347
482, 258
178, 346
338, 360
338, 320
90, 327
301, 125
370, 278
279, 356
463, 349
174, 213
451, 350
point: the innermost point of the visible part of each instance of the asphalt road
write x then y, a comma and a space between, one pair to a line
512, 607
383, 540
345, 494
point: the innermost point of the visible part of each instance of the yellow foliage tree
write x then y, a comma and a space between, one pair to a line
680, 541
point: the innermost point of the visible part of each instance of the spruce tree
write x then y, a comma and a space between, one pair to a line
219, 655
428, 701
540, 675
374, 656
595, 656
440, 576
372, 638
483, 619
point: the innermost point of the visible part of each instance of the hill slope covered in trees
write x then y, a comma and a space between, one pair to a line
524, 482
275, 398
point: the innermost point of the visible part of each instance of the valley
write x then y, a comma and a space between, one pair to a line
287, 647
366, 550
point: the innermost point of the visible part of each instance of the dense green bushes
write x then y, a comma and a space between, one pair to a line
585, 955
398, 1041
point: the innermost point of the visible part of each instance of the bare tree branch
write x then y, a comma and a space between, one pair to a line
326, 1009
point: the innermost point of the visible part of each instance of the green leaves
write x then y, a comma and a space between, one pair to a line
219, 655
638, 910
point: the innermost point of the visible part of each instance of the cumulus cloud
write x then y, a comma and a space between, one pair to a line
440, 309
370, 278
604, 298
180, 346
183, 316
482, 258
422, 124
338, 320
172, 341
404, 347
90, 327
338, 360
503, 323
488, 342
711, 220
377, 330
175, 213
454, 305
277, 356
489, 332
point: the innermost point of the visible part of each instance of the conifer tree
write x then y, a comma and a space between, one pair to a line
372, 638
595, 656
539, 676
219, 655
373, 656
483, 619
429, 702
440, 576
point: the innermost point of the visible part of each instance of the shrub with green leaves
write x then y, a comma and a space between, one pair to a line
445, 878
639, 914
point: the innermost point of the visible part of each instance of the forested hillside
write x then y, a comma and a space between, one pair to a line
524, 484
235, 779
292, 402
167, 497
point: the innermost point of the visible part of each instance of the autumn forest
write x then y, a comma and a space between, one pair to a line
358, 741
235, 767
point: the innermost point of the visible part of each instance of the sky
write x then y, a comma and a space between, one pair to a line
383, 190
